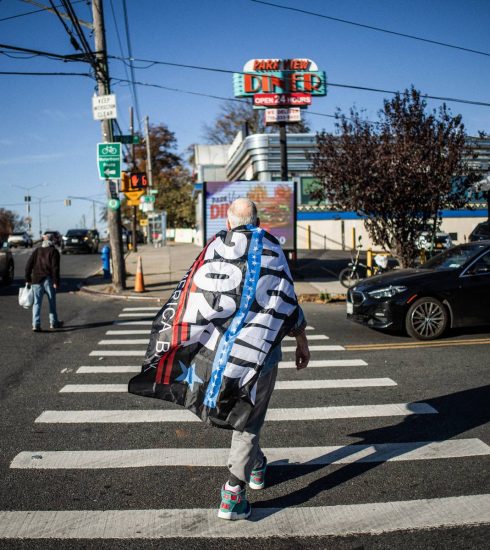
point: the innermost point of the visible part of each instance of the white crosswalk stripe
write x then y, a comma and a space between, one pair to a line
273, 415
305, 521
276, 456
280, 385
295, 521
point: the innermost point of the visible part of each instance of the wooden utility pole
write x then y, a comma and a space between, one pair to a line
133, 164
149, 171
114, 216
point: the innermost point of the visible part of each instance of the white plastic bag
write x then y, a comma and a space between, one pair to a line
26, 297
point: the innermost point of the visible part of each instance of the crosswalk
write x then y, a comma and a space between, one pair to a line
109, 378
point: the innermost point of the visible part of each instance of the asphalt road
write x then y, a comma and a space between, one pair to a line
451, 380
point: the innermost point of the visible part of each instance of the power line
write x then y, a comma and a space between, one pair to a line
41, 53
333, 84
33, 11
25, 73
373, 28
131, 68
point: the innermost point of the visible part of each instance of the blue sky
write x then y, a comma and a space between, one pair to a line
48, 136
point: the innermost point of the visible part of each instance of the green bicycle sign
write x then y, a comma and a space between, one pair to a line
109, 160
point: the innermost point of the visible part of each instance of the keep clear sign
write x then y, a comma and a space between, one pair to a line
104, 107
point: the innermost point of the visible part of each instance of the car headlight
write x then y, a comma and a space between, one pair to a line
387, 292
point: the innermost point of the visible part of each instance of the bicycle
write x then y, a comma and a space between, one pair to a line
350, 276
109, 150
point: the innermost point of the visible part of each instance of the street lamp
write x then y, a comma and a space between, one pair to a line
27, 199
40, 199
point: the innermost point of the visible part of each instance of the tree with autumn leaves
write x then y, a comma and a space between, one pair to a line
170, 177
398, 173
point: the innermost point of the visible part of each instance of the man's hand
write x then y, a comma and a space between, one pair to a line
55, 287
302, 351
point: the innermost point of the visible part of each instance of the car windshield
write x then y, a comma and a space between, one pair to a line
77, 233
454, 258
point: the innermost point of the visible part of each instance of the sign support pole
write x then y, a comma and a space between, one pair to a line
284, 176
150, 173
113, 216
133, 163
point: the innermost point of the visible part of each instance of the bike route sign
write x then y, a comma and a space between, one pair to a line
109, 160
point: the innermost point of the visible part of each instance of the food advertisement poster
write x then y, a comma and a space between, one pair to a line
274, 200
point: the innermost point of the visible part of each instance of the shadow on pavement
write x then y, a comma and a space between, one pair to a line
457, 413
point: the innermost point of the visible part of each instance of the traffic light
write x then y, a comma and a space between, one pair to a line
125, 182
138, 181
67, 202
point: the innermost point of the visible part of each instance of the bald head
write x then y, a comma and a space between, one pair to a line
242, 212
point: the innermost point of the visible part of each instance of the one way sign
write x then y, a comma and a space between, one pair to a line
109, 160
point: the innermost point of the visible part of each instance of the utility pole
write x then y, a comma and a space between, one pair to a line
133, 164
150, 173
114, 216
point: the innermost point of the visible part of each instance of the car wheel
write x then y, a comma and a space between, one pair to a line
348, 277
427, 319
63, 252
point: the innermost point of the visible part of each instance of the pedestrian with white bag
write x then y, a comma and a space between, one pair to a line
43, 273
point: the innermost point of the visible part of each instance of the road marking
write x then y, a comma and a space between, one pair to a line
116, 353
295, 521
148, 308
126, 323
286, 456
315, 348
128, 342
135, 332
273, 415
97, 369
310, 337
280, 385
415, 345
326, 363
141, 315
108, 369
142, 352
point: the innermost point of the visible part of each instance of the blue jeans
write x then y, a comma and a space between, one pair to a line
45, 287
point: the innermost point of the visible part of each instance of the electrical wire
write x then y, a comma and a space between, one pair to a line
131, 68
373, 28
333, 84
34, 11
25, 73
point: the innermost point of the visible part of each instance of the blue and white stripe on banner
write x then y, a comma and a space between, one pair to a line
226, 343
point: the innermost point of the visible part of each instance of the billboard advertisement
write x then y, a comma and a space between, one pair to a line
274, 200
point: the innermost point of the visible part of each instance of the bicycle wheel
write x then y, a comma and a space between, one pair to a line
348, 277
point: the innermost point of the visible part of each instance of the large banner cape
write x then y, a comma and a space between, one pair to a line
209, 342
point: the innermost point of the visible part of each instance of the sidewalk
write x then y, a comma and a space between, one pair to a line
164, 267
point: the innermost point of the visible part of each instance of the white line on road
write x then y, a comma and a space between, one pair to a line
97, 369
129, 342
142, 332
128, 323
141, 352
280, 385
108, 369
293, 414
295, 521
141, 315
326, 363
285, 456
147, 308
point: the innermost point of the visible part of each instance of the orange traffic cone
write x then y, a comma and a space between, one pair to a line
139, 283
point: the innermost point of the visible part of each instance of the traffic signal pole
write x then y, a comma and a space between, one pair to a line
133, 164
114, 216
149, 171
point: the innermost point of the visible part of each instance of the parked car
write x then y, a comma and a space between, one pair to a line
80, 240
54, 237
20, 238
480, 233
452, 289
6, 263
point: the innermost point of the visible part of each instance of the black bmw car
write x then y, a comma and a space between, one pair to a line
452, 290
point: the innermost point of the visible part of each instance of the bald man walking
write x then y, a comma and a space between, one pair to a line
246, 462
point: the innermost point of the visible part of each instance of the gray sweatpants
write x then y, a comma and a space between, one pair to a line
245, 451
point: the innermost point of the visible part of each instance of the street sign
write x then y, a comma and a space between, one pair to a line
104, 107
109, 160
273, 116
154, 191
143, 223
128, 139
133, 202
282, 100
148, 198
147, 207
113, 204
133, 197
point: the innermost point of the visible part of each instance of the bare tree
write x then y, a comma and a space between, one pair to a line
399, 172
236, 114
9, 222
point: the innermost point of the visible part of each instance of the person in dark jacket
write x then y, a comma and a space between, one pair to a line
43, 272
